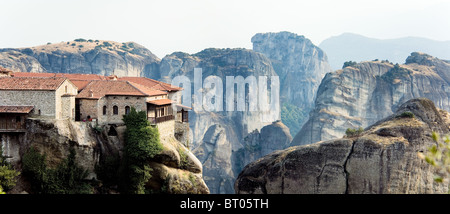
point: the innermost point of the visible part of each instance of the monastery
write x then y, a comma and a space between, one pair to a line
100, 100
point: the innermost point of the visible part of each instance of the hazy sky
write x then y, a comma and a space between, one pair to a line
190, 26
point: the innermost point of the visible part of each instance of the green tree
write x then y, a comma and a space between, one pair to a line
354, 132
8, 175
349, 63
439, 156
141, 144
67, 178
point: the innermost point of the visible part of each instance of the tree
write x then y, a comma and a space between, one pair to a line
8, 174
349, 63
141, 144
67, 178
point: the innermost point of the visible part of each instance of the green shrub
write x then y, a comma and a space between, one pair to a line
406, 114
80, 40
8, 174
183, 158
66, 178
354, 132
438, 156
107, 44
107, 170
349, 63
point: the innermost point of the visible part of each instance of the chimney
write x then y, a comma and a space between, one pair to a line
5, 72
91, 93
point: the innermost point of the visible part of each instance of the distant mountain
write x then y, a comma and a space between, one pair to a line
354, 47
82, 56
362, 94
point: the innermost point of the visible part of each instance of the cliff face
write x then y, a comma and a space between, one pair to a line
175, 168
81, 56
360, 95
300, 64
383, 159
216, 135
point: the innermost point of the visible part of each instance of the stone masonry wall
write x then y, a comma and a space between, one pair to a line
41, 100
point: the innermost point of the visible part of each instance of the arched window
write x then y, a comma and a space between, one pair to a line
127, 110
115, 110
104, 110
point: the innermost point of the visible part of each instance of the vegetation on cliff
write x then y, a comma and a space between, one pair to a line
142, 143
7, 174
67, 178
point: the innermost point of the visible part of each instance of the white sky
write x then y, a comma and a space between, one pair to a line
190, 26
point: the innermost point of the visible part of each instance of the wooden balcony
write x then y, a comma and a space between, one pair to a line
12, 123
154, 121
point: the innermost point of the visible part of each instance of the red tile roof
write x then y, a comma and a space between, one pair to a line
16, 109
31, 83
103, 88
160, 102
146, 90
80, 84
86, 77
151, 83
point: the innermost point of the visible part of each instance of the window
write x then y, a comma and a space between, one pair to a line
104, 110
115, 110
66, 89
127, 110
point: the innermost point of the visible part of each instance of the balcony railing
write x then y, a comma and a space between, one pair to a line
154, 121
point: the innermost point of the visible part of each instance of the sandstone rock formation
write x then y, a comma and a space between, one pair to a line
300, 64
217, 134
175, 169
359, 95
83, 56
383, 159
257, 144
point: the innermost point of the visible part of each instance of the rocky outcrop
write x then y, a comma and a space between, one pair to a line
217, 134
300, 64
271, 138
383, 159
359, 95
83, 56
175, 170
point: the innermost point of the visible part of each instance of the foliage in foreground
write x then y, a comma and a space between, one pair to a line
439, 157
8, 174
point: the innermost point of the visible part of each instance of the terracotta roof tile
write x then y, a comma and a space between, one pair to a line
30, 83
151, 83
101, 88
146, 90
16, 109
160, 102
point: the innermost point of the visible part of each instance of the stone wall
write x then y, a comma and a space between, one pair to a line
88, 107
139, 103
65, 104
182, 133
41, 100
166, 128
68, 107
